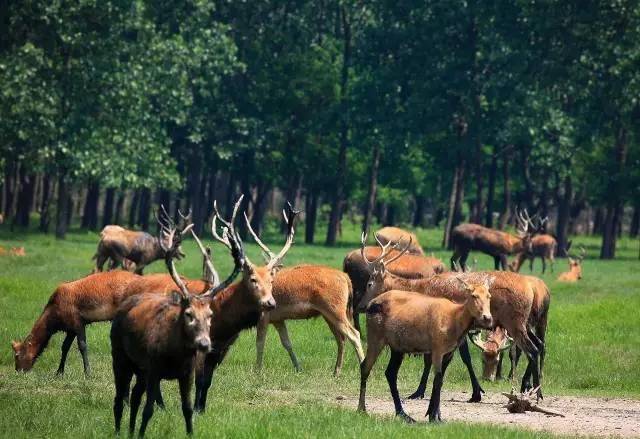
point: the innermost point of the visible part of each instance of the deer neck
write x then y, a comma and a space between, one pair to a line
234, 309
462, 320
395, 282
40, 334
517, 245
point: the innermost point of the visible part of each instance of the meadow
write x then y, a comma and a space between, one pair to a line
593, 339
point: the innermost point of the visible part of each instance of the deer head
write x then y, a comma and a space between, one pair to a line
478, 302
491, 346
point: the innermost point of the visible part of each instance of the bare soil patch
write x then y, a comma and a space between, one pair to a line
584, 416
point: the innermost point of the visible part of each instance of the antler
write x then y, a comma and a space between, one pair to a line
400, 253
477, 340
386, 248
206, 260
274, 259
237, 252
583, 253
227, 225
170, 243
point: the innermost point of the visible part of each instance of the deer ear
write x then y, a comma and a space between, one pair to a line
15, 345
488, 281
465, 285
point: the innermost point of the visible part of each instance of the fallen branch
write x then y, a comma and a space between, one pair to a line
522, 403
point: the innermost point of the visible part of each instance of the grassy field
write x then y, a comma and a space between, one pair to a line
593, 340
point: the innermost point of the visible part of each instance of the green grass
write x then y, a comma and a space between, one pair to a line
593, 340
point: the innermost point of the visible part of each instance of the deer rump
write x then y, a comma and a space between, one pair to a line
478, 238
119, 243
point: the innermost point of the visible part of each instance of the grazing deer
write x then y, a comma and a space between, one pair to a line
129, 248
412, 323
307, 291
156, 336
575, 268
511, 307
468, 237
71, 307
241, 305
543, 247
492, 347
396, 234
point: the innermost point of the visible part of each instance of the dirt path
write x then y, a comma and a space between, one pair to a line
584, 416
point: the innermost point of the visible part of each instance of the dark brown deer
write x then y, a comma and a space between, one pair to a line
241, 305
467, 237
156, 336
129, 247
396, 234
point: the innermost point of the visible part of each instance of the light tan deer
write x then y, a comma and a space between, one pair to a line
575, 268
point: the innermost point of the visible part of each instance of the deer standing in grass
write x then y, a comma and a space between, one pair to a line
241, 305
543, 247
156, 336
495, 243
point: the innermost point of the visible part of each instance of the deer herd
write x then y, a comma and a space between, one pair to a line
168, 327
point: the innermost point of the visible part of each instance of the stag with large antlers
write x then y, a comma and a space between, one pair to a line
467, 237
128, 247
156, 336
241, 305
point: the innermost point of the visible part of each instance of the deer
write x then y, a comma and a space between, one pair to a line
406, 265
467, 237
412, 323
542, 246
156, 336
492, 346
129, 248
307, 291
511, 308
396, 234
575, 268
240, 306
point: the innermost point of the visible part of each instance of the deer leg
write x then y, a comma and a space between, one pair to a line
374, 348
136, 398
122, 377
392, 378
160, 399
345, 328
281, 327
514, 356
100, 261
419, 393
66, 345
340, 341
531, 261
185, 397
153, 384
544, 264
356, 321
82, 347
433, 411
261, 336
499, 367
477, 391
204, 376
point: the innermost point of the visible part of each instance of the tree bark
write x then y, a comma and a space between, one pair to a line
479, 203
145, 207
25, 198
390, 217
634, 227
455, 202
107, 211
90, 212
260, 207
338, 196
615, 205
564, 214
117, 216
133, 209
63, 208
506, 213
47, 189
373, 187
491, 190
418, 213
311, 211
10, 184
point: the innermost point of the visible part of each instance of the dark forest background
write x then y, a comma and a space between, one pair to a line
425, 113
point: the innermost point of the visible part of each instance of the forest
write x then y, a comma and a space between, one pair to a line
427, 113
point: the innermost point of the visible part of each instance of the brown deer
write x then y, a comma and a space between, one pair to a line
307, 291
130, 248
492, 346
241, 305
396, 234
511, 307
411, 323
71, 307
575, 268
543, 247
467, 237
156, 336
407, 266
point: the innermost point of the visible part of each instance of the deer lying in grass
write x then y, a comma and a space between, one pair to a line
307, 291
239, 306
395, 235
156, 336
543, 247
139, 249
495, 243
511, 307
412, 323
575, 268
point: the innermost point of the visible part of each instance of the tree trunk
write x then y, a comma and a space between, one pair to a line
10, 183
107, 211
311, 211
390, 218
63, 208
506, 213
479, 203
194, 193
615, 205
47, 191
260, 207
25, 198
145, 207
373, 187
418, 214
338, 196
564, 214
598, 219
491, 190
634, 227
455, 202
133, 209
117, 217
211, 194
90, 212
292, 195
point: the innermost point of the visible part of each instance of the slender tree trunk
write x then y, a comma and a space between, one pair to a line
634, 227
133, 209
194, 192
47, 191
90, 212
107, 211
598, 219
231, 193
145, 207
63, 208
311, 210
338, 196
491, 190
455, 202
418, 213
260, 207
506, 213
390, 218
292, 195
10, 188
373, 187
564, 214
117, 216
211, 193
479, 204
25, 198
615, 205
